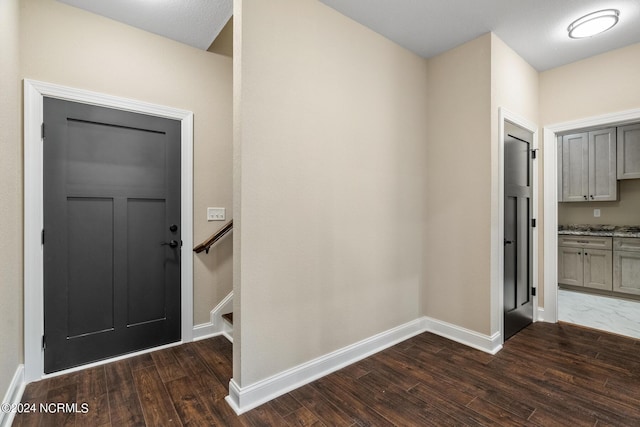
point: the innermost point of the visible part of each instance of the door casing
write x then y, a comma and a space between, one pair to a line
34, 92
550, 154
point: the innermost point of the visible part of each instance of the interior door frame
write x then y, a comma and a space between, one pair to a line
498, 246
550, 154
34, 93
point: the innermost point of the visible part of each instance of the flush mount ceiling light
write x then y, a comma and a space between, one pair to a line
593, 23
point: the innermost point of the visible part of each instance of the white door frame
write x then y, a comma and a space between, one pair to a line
551, 199
34, 92
506, 115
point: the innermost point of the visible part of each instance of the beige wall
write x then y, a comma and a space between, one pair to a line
330, 141
10, 196
515, 88
467, 86
598, 85
64, 45
514, 84
595, 86
458, 188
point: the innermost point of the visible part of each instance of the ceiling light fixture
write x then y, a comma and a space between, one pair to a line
593, 23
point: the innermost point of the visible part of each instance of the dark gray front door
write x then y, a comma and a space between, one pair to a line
518, 301
111, 208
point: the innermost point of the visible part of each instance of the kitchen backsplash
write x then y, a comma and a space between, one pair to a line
626, 211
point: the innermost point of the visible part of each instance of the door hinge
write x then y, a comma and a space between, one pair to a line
534, 153
44, 342
533, 292
42, 131
533, 222
42, 237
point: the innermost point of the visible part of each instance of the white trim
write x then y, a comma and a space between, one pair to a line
488, 344
498, 245
203, 331
225, 306
541, 315
217, 325
34, 92
243, 399
13, 396
551, 198
208, 330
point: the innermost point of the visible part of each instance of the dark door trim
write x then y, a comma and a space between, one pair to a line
34, 92
498, 234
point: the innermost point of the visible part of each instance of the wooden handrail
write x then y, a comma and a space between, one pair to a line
206, 245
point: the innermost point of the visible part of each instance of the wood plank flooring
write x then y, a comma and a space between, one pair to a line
547, 375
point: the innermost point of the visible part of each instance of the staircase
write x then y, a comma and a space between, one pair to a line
221, 315
229, 318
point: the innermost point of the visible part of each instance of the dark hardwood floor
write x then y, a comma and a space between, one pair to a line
548, 375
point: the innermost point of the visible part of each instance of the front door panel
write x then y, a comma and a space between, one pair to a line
111, 192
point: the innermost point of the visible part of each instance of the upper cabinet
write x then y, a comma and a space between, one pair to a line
588, 166
629, 152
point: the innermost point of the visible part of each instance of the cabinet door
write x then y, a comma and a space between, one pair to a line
570, 266
629, 152
575, 167
603, 184
597, 269
626, 272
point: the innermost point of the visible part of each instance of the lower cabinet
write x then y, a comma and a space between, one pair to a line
585, 261
626, 265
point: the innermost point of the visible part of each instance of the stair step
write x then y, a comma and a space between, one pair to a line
228, 317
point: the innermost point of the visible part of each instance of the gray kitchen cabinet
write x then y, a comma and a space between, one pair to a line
628, 142
585, 261
626, 265
597, 269
570, 266
588, 166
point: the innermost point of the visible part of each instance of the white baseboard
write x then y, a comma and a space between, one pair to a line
489, 344
540, 317
204, 330
242, 399
13, 396
217, 325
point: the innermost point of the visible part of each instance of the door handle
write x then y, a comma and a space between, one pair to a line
171, 244
507, 242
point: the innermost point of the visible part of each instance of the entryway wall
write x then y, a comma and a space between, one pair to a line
69, 46
600, 89
64, 45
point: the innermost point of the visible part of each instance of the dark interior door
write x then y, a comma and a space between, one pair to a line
111, 233
518, 301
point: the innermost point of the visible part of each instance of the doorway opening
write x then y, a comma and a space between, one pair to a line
34, 94
552, 240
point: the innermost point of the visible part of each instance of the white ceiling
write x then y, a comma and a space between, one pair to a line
536, 29
193, 22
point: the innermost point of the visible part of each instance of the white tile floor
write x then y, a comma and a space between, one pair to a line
600, 312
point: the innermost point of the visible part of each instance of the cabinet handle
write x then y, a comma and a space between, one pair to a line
586, 253
585, 197
592, 197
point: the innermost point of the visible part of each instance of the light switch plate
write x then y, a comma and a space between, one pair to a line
596, 213
215, 214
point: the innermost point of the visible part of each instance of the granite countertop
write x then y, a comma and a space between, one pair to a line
600, 230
